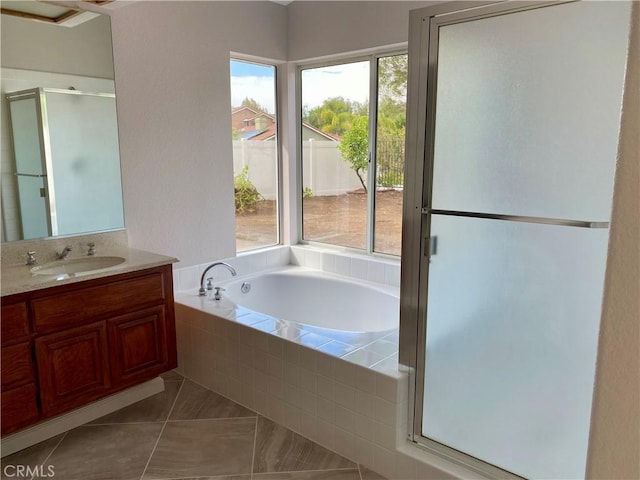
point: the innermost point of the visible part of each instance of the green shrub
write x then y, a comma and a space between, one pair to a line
390, 179
307, 193
246, 194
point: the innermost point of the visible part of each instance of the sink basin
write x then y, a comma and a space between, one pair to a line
77, 266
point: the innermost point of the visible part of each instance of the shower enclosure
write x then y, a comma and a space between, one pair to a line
513, 136
67, 163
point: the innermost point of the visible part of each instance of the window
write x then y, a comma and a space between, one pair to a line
352, 193
255, 154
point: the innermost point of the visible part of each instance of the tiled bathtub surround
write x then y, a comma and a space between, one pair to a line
378, 350
187, 279
362, 267
348, 264
347, 408
352, 400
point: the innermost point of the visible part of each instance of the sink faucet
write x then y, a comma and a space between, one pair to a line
31, 257
203, 291
63, 254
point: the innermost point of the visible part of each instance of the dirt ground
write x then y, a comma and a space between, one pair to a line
338, 220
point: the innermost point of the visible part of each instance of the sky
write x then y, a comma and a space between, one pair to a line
350, 81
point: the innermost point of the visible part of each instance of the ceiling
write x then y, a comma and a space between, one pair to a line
64, 13
67, 13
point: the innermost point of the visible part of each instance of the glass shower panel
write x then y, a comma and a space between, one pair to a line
513, 316
85, 162
29, 168
526, 127
26, 136
531, 101
33, 207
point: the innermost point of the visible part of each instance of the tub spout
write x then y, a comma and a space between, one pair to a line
203, 291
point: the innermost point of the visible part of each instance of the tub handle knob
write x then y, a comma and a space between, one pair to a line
217, 295
202, 292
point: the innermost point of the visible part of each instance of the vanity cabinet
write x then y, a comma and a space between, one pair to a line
138, 345
18, 400
73, 367
68, 345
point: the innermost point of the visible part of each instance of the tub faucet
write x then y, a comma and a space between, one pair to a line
203, 291
64, 253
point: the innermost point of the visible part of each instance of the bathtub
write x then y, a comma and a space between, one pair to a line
316, 352
317, 299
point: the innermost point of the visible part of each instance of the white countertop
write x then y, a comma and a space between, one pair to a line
17, 278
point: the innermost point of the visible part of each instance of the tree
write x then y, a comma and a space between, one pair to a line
253, 104
354, 147
335, 115
392, 73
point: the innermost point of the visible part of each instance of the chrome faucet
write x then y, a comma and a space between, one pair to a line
64, 253
31, 257
203, 291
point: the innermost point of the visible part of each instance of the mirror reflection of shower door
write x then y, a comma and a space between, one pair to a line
30, 170
85, 161
67, 161
522, 136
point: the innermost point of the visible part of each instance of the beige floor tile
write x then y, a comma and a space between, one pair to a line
278, 449
104, 452
370, 474
153, 409
31, 457
348, 474
196, 402
200, 448
172, 376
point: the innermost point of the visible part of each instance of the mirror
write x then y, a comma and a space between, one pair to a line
60, 167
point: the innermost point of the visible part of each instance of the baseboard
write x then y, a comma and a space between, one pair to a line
65, 422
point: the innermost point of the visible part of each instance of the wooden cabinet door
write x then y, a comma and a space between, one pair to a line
15, 322
18, 407
73, 367
138, 345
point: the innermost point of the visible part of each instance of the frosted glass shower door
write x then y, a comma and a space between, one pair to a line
85, 161
524, 139
30, 168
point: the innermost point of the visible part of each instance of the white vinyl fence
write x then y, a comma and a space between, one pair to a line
324, 170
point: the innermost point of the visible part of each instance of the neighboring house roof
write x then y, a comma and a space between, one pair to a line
244, 122
268, 134
248, 122
308, 132
328, 136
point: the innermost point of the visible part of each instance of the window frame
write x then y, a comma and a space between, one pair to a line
279, 197
373, 59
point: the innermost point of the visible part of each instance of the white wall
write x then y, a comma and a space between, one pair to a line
324, 28
82, 50
174, 108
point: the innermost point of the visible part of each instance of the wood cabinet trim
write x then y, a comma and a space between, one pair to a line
98, 302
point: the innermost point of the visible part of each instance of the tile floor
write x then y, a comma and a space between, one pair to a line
186, 432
